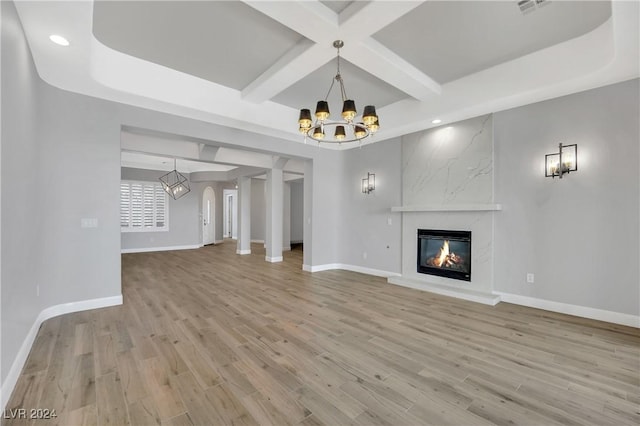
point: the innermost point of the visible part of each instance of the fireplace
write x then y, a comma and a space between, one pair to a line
445, 253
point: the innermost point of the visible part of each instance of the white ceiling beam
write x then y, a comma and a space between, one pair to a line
279, 162
171, 148
242, 157
310, 19
208, 153
304, 58
295, 165
320, 25
377, 59
316, 23
372, 17
381, 62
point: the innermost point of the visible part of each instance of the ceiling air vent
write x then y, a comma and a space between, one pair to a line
528, 6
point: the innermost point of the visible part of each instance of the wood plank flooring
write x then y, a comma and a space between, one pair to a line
207, 337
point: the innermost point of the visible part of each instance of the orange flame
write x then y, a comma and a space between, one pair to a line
443, 253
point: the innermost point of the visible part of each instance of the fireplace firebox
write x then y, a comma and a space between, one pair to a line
445, 253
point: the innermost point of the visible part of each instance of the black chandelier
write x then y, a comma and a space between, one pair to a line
175, 183
345, 130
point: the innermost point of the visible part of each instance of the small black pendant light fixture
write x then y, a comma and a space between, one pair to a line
174, 183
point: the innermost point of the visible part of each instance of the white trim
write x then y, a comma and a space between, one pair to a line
352, 268
169, 248
274, 259
218, 241
287, 248
471, 295
52, 311
569, 309
320, 268
368, 271
448, 208
257, 241
243, 251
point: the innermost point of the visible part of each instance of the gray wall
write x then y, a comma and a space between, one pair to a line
364, 224
258, 210
184, 216
71, 142
297, 210
578, 235
21, 189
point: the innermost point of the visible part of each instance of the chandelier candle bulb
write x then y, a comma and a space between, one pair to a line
360, 132
340, 134
369, 116
322, 110
374, 126
305, 119
318, 133
349, 110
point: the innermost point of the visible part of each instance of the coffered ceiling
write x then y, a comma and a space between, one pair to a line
254, 64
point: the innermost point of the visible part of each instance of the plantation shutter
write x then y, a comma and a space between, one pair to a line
143, 207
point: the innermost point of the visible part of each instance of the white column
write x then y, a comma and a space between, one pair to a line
273, 237
286, 217
244, 215
307, 237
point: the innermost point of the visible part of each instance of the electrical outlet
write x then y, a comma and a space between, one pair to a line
389, 222
38, 290
530, 278
364, 254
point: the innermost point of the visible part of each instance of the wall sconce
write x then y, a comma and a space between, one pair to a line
369, 183
564, 162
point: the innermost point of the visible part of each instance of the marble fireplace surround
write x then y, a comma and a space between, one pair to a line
447, 183
480, 223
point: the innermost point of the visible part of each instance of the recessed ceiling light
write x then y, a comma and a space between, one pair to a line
58, 39
436, 121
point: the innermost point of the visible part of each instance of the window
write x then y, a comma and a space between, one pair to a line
143, 207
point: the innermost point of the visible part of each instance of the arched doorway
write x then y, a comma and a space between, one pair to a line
208, 216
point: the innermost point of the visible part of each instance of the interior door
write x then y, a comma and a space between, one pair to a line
230, 216
208, 216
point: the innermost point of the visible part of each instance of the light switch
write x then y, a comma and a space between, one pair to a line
389, 222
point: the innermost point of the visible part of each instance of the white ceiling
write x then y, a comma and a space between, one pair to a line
453, 39
251, 65
226, 42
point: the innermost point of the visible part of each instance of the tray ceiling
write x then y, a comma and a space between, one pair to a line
250, 65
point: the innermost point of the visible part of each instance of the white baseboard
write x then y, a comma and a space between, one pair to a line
243, 251
169, 248
53, 311
218, 241
352, 268
471, 295
287, 248
258, 241
569, 309
274, 259
320, 268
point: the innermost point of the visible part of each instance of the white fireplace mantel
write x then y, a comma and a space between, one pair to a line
448, 208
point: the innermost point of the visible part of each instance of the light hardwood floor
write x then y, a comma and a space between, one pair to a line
207, 337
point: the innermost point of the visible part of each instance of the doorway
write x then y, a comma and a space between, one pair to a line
208, 216
230, 206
